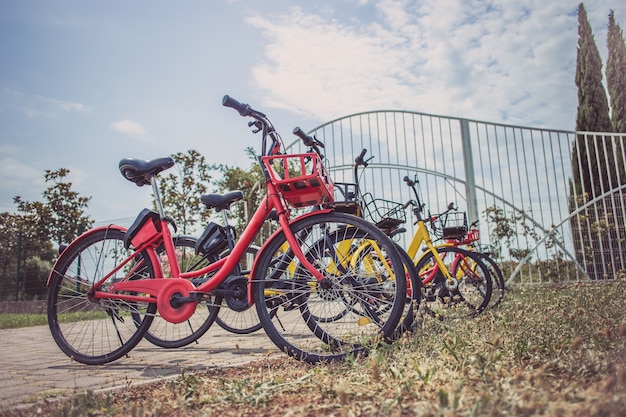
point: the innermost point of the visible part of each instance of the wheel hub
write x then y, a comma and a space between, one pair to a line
237, 299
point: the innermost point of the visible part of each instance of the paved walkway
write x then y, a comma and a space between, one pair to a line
32, 367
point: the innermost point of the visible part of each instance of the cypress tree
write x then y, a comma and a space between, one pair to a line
616, 74
593, 113
593, 163
593, 106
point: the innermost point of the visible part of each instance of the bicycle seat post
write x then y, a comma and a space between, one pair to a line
154, 182
166, 234
229, 236
230, 239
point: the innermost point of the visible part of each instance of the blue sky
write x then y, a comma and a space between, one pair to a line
85, 83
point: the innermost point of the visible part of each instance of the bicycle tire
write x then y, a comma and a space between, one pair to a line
413, 297
95, 331
174, 335
284, 299
411, 316
246, 320
498, 285
470, 292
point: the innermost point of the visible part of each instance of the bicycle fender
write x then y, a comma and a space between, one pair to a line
270, 240
77, 240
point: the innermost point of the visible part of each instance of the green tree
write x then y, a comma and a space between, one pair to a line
252, 183
597, 163
592, 114
181, 191
61, 216
35, 276
19, 238
616, 74
593, 106
29, 233
66, 209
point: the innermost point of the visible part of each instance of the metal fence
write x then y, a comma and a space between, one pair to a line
551, 204
517, 181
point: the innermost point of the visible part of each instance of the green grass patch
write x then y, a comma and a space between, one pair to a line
15, 321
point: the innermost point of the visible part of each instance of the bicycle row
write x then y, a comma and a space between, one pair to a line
327, 284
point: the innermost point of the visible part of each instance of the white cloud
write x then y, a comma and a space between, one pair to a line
507, 62
32, 105
130, 128
66, 105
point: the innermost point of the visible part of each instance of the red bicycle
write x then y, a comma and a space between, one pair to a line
107, 286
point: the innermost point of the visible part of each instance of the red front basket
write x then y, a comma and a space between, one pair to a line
473, 235
302, 179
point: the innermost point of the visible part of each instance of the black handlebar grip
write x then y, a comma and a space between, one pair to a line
305, 138
308, 140
359, 159
408, 181
242, 108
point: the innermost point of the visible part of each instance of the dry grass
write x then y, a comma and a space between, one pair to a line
545, 351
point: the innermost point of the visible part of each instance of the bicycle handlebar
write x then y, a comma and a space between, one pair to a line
261, 123
359, 161
242, 108
312, 142
308, 140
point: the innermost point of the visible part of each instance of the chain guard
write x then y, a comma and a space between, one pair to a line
171, 311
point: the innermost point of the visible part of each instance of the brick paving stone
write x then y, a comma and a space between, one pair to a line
32, 367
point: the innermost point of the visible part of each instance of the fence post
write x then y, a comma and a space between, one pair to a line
19, 261
470, 178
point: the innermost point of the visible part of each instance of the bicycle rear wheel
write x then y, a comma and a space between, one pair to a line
235, 315
359, 303
89, 330
174, 335
466, 294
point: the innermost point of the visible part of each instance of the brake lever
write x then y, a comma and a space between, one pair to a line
256, 125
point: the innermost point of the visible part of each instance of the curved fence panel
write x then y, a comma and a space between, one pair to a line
550, 204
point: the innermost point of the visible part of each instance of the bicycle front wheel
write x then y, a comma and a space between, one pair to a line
96, 331
358, 304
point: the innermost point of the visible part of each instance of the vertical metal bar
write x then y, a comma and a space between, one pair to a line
598, 163
434, 160
538, 178
19, 262
483, 164
519, 180
612, 243
470, 179
581, 146
621, 202
550, 192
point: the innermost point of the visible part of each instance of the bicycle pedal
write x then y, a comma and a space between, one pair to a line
200, 296
290, 306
